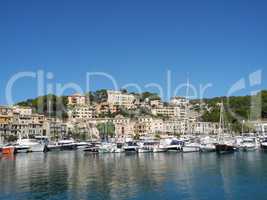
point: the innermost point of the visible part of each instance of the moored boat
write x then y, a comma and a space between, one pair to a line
249, 144
174, 144
264, 145
223, 148
22, 149
130, 147
8, 150
160, 149
191, 147
225, 143
207, 147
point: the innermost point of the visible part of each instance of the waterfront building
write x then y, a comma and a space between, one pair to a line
5, 127
143, 125
174, 126
206, 128
157, 126
124, 127
26, 125
55, 128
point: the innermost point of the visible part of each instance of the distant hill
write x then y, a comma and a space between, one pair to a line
245, 107
52, 105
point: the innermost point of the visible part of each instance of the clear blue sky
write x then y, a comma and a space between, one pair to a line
136, 41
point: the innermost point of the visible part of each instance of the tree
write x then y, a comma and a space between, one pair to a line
49, 105
150, 96
106, 130
136, 136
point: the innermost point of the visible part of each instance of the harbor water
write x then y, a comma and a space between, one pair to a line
170, 176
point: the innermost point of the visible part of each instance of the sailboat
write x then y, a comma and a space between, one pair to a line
223, 146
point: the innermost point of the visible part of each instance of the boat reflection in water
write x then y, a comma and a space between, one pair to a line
74, 175
133, 176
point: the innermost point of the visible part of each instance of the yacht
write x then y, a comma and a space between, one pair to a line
146, 147
207, 144
29, 145
191, 147
130, 146
61, 145
67, 144
249, 144
92, 148
160, 147
81, 145
174, 144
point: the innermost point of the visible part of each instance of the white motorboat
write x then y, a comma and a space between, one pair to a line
191, 147
130, 147
173, 144
81, 145
146, 146
107, 148
160, 149
209, 147
61, 145
145, 150
29, 145
249, 144
207, 144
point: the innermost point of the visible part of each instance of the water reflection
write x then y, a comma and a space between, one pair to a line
77, 175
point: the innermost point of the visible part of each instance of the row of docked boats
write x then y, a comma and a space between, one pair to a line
221, 145
185, 145
41, 144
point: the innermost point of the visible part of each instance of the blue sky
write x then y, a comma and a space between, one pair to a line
137, 41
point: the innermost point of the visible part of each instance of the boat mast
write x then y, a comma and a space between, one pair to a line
221, 123
186, 106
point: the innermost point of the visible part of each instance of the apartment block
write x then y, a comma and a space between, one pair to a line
121, 99
78, 99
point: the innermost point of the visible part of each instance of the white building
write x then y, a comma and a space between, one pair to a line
205, 128
157, 126
55, 128
124, 127
21, 110
168, 111
179, 101
118, 98
82, 112
156, 103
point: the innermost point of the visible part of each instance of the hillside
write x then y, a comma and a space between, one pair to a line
243, 107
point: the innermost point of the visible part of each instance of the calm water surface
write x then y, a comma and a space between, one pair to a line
77, 175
